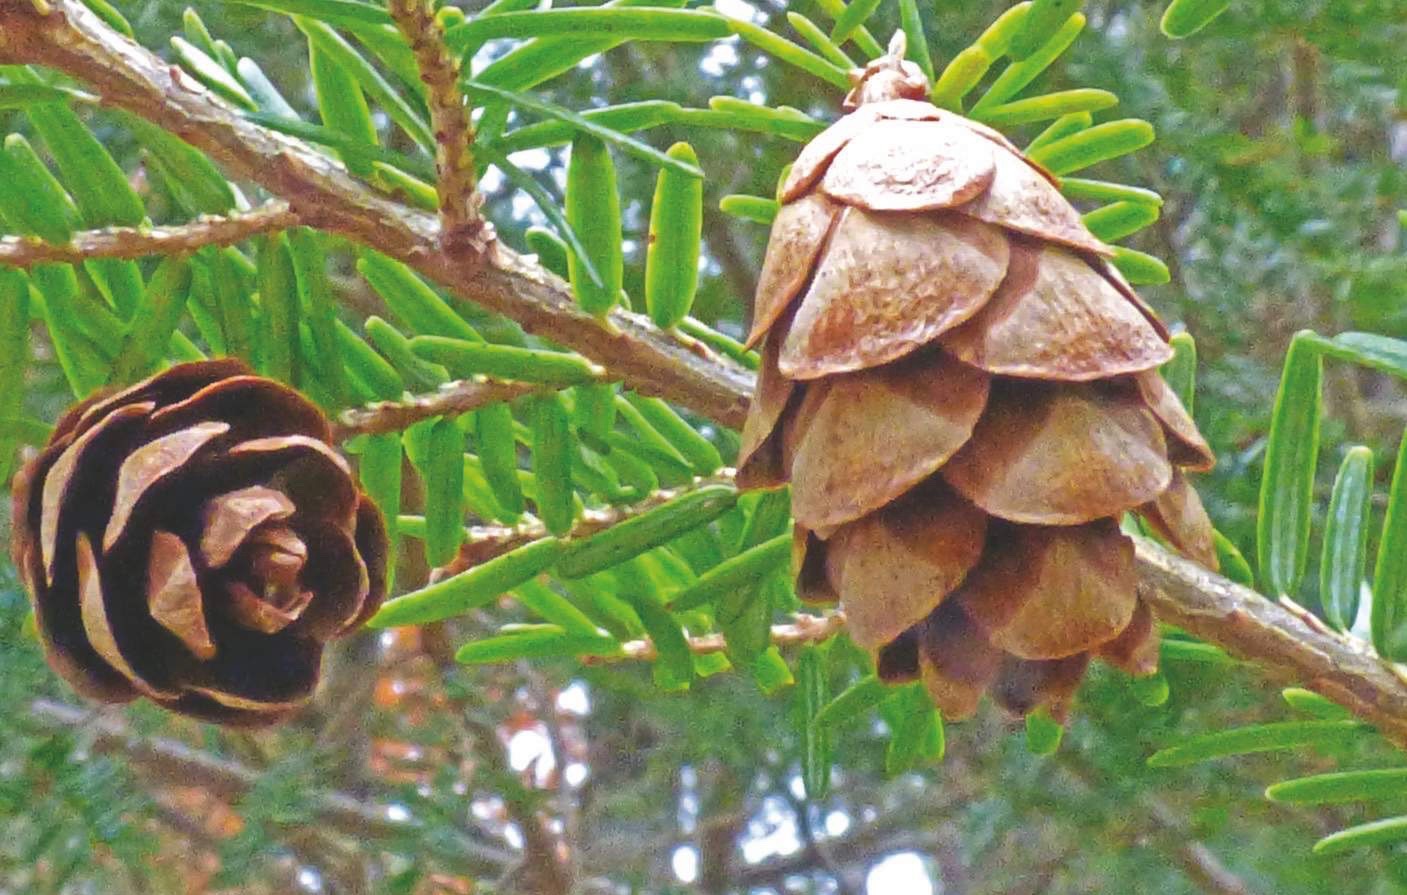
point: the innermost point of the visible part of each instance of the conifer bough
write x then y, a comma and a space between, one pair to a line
964, 395
195, 540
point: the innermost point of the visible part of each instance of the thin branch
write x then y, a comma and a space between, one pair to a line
72, 39
1289, 645
803, 629
1241, 621
451, 398
813, 845
1204, 868
138, 242
65, 35
461, 226
175, 761
900, 821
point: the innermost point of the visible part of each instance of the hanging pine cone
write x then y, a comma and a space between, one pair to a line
194, 539
964, 396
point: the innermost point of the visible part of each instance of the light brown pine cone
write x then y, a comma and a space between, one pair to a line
194, 539
964, 396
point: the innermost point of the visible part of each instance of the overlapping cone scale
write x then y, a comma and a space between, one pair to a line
194, 539
964, 397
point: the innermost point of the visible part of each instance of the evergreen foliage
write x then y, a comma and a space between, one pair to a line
586, 534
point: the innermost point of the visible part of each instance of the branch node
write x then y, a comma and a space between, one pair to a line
452, 398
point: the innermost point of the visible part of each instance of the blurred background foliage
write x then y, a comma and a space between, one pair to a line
1282, 158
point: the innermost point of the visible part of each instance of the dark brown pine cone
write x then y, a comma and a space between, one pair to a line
194, 539
964, 396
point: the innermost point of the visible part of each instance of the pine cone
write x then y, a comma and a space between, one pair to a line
195, 540
964, 396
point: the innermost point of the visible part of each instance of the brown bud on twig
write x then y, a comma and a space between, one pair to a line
964, 396
195, 540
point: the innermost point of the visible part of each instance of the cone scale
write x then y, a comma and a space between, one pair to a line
963, 395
